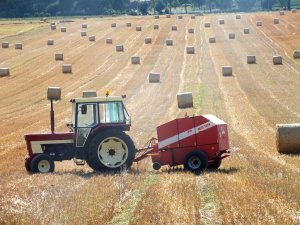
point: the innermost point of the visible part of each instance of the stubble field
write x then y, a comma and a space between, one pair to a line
255, 185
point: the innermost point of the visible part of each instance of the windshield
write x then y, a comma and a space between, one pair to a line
111, 112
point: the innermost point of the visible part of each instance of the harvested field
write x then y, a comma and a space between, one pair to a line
255, 185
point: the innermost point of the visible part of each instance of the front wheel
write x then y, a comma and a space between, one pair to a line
42, 163
111, 150
196, 161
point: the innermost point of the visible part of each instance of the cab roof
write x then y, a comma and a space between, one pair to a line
98, 99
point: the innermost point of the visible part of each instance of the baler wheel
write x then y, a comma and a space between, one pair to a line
42, 163
196, 161
111, 150
156, 165
27, 166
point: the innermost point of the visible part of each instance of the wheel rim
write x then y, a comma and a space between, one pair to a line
44, 166
194, 162
113, 152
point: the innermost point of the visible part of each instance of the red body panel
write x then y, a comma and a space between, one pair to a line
204, 133
46, 137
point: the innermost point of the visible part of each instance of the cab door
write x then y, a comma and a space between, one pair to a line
86, 119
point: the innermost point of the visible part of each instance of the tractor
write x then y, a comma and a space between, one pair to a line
97, 136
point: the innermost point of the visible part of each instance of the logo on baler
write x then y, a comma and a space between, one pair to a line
185, 134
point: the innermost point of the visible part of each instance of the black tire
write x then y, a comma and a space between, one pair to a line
101, 148
196, 161
215, 165
42, 163
27, 166
156, 165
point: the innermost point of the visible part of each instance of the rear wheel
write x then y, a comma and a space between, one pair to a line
196, 161
111, 150
42, 164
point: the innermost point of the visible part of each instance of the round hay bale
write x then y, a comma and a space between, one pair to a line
251, 59
19, 46
296, 54
135, 60
119, 48
113, 25
190, 50
231, 35
109, 41
212, 39
54, 93
5, 44
259, 23
238, 16
193, 17
83, 33
185, 100
288, 138
92, 38
276, 21
277, 60
156, 17
154, 77
155, 26
206, 24
191, 30
148, 40
138, 28
128, 24
174, 27
4, 72
50, 42
53, 27
281, 13
84, 25
63, 29
168, 16
89, 94
59, 56
169, 42
67, 68
246, 30
294, 10
221, 21
179, 17
227, 70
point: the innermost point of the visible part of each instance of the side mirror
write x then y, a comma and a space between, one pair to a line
83, 109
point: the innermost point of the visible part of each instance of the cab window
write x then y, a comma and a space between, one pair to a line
111, 112
87, 115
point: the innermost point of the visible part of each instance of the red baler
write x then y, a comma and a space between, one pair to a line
197, 142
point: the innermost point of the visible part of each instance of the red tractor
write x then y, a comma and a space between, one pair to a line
97, 136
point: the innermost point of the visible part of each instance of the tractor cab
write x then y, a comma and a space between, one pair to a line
91, 115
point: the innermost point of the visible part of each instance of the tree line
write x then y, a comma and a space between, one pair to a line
44, 8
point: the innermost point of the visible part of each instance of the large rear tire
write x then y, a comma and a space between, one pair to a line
196, 161
42, 163
111, 150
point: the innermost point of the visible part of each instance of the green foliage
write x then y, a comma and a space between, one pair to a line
159, 6
224, 4
143, 8
246, 5
267, 4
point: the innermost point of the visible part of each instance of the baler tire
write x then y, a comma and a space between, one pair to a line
200, 161
41, 161
215, 165
27, 166
94, 156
